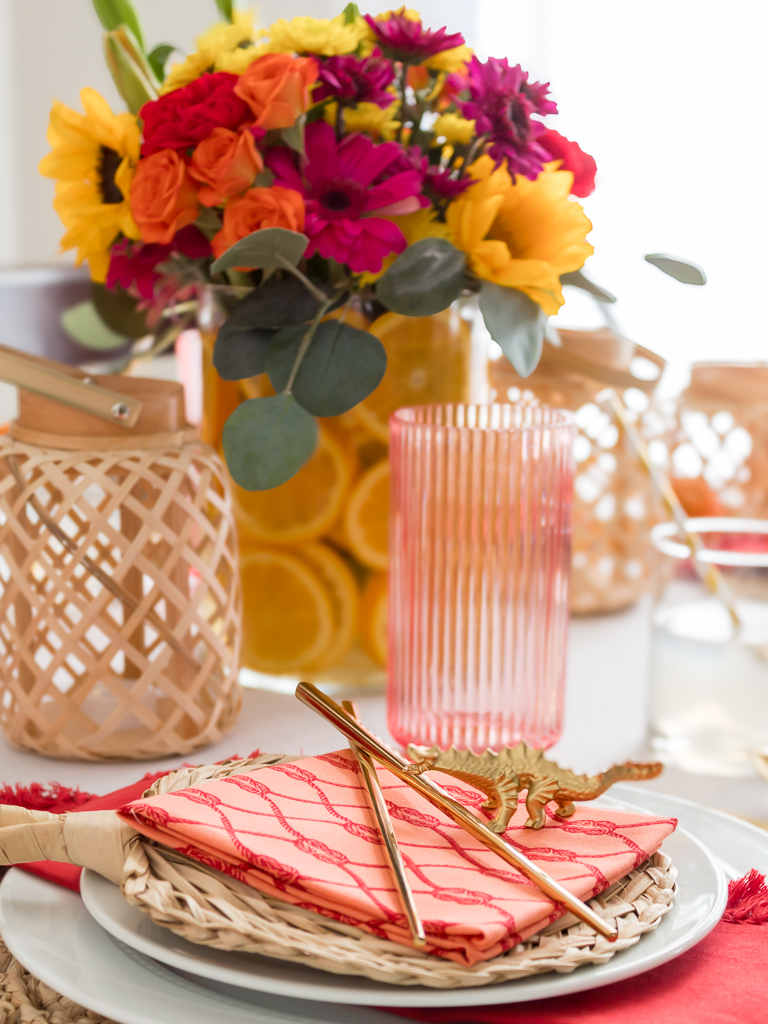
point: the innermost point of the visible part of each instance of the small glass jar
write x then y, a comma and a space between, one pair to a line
708, 673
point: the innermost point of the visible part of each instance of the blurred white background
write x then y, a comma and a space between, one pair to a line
668, 97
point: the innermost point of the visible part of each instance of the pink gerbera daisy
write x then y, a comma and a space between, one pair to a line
345, 210
408, 41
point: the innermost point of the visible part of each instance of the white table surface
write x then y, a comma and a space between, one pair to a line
605, 721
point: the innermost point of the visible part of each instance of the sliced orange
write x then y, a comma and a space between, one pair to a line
428, 360
307, 505
366, 516
288, 617
373, 618
339, 582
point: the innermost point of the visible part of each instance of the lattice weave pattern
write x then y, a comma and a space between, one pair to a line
87, 674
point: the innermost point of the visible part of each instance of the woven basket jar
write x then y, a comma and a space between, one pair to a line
120, 600
614, 504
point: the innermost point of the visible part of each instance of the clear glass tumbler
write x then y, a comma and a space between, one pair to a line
480, 507
709, 675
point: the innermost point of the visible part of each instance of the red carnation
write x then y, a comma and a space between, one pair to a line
574, 159
186, 116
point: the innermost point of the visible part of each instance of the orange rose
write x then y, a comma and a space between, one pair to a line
226, 163
163, 196
276, 88
274, 207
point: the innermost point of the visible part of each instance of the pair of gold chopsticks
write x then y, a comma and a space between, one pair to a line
364, 742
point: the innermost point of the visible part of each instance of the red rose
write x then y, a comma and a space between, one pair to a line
574, 159
186, 116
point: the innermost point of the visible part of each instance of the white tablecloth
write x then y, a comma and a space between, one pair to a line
605, 721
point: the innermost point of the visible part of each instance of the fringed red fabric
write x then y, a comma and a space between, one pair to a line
747, 900
44, 797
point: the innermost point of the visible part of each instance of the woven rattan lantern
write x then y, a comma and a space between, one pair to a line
119, 592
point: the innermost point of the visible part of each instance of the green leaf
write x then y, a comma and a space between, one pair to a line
83, 324
341, 367
516, 323
158, 57
276, 304
269, 248
225, 10
318, 110
579, 280
114, 13
294, 136
118, 311
266, 441
351, 13
685, 271
132, 74
238, 353
424, 279
265, 178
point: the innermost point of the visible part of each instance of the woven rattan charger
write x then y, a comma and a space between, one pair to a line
209, 908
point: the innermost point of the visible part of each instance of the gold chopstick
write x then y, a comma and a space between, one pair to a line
372, 745
395, 858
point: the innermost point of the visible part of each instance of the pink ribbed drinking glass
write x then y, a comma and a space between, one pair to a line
479, 573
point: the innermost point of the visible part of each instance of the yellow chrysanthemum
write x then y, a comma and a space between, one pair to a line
323, 36
522, 235
415, 226
454, 129
93, 159
449, 60
224, 47
369, 118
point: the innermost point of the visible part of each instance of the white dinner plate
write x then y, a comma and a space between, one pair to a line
49, 930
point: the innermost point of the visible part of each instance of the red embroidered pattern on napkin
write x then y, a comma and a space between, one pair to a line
302, 833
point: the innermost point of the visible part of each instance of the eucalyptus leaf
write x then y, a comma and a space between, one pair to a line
119, 311
577, 279
83, 324
516, 323
341, 367
276, 304
685, 271
158, 58
424, 279
239, 353
114, 13
266, 441
268, 248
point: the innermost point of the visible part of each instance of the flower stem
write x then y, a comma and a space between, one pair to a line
339, 121
404, 100
287, 265
306, 341
471, 155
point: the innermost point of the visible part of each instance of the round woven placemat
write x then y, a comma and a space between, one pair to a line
214, 909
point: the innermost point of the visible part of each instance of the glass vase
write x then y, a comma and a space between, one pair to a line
480, 542
315, 550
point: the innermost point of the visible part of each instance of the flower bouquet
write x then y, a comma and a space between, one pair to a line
280, 179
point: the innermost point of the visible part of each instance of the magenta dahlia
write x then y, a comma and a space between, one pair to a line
502, 102
352, 80
408, 41
347, 195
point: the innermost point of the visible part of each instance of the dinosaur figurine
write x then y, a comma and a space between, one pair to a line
502, 776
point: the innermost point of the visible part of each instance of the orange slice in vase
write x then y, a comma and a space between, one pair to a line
366, 517
373, 618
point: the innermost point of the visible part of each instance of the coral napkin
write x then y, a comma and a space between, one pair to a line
302, 832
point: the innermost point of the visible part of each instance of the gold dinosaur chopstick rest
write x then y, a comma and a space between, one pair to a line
504, 775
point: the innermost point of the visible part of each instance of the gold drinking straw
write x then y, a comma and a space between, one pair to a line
372, 745
395, 858
708, 573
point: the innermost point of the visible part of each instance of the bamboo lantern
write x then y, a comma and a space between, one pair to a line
120, 601
614, 502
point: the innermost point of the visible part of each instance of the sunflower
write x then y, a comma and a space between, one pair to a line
93, 159
524, 234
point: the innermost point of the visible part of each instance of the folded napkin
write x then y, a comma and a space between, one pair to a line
302, 833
